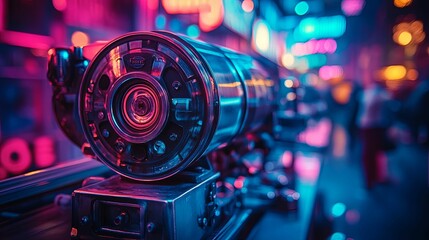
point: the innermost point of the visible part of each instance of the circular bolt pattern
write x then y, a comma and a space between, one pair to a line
173, 137
119, 146
118, 220
159, 147
176, 85
150, 227
84, 220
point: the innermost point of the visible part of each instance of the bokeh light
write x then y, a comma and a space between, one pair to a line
262, 36
352, 7
79, 39
405, 38
288, 83
320, 27
409, 33
287, 60
394, 72
338, 236
193, 31
301, 8
338, 209
341, 93
160, 21
175, 25
314, 46
60, 5
402, 3
329, 72
291, 96
247, 5
412, 74
352, 216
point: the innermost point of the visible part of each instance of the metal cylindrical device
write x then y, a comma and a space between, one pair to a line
152, 103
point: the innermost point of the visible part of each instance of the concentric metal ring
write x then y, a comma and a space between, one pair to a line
137, 107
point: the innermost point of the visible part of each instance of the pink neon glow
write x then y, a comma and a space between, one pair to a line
352, 7
3, 173
60, 5
239, 183
2, 17
44, 152
286, 159
26, 40
152, 4
328, 45
352, 216
211, 12
307, 167
329, 72
316, 135
15, 156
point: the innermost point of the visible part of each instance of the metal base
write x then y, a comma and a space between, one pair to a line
120, 208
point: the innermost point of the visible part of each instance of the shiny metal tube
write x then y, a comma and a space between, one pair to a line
152, 103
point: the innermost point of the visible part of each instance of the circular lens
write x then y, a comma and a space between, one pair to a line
138, 107
147, 105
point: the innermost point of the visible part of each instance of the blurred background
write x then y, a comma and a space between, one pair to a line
329, 50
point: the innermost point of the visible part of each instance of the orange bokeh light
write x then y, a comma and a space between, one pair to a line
79, 39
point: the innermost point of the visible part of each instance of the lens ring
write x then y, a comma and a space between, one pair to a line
140, 106
137, 107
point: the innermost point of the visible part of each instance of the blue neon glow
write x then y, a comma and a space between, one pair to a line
338, 209
176, 25
193, 31
322, 27
160, 21
338, 236
312, 60
64, 54
301, 8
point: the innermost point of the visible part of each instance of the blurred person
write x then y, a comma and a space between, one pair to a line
353, 106
374, 118
415, 112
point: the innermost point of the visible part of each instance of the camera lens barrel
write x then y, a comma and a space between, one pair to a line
152, 103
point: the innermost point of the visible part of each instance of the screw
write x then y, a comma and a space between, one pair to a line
84, 220
91, 87
119, 146
106, 133
100, 115
118, 220
176, 85
173, 137
150, 227
159, 147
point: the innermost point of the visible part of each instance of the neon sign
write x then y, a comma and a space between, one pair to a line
211, 12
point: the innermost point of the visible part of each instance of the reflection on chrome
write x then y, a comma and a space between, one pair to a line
152, 103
